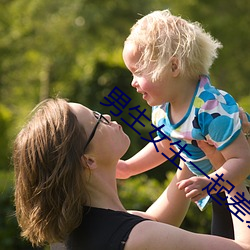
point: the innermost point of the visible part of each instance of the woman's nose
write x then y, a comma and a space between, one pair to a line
108, 117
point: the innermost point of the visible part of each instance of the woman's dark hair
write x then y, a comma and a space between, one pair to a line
49, 180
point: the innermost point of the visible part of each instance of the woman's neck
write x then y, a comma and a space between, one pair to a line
102, 189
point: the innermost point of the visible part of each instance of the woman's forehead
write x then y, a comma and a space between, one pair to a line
78, 108
84, 115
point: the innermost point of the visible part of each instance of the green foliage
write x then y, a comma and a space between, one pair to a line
5, 124
139, 192
73, 48
9, 231
244, 102
229, 24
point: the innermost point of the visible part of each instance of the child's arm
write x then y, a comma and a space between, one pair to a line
235, 169
144, 160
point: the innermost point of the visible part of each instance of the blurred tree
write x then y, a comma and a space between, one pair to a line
51, 47
244, 102
228, 22
5, 123
72, 48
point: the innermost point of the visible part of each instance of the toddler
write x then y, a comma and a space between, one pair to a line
170, 59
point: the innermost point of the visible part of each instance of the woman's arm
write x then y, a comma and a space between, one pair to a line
160, 236
235, 167
237, 157
214, 156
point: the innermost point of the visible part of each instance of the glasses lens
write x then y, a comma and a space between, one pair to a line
99, 116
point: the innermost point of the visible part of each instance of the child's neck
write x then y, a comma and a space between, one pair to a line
181, 103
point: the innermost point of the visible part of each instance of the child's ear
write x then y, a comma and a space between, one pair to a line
175, 66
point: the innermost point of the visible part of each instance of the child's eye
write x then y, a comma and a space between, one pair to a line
137, 74
108, 124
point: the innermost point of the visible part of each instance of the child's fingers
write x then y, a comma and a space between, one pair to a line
198, 197
184, 183
193, 194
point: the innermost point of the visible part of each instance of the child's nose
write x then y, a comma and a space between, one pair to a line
134, 83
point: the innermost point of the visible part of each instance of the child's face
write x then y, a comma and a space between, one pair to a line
152, 92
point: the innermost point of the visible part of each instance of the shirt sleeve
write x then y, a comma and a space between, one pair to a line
219, 119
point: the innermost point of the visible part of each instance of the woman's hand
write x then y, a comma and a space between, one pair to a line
214, 156
245, 124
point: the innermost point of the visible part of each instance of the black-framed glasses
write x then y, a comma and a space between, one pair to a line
100, 118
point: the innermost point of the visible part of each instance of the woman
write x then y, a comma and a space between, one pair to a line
65, 188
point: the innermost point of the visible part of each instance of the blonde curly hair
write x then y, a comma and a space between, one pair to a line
161, 36
49, 181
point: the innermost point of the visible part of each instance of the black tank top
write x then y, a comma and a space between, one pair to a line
102, 229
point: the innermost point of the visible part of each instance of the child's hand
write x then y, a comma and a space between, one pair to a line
122, 170
193, 187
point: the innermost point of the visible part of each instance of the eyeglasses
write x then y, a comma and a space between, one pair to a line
100, 118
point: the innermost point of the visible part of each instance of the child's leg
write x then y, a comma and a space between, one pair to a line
222, 224
171, 207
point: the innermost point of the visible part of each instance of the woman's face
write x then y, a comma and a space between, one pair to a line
109, 140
